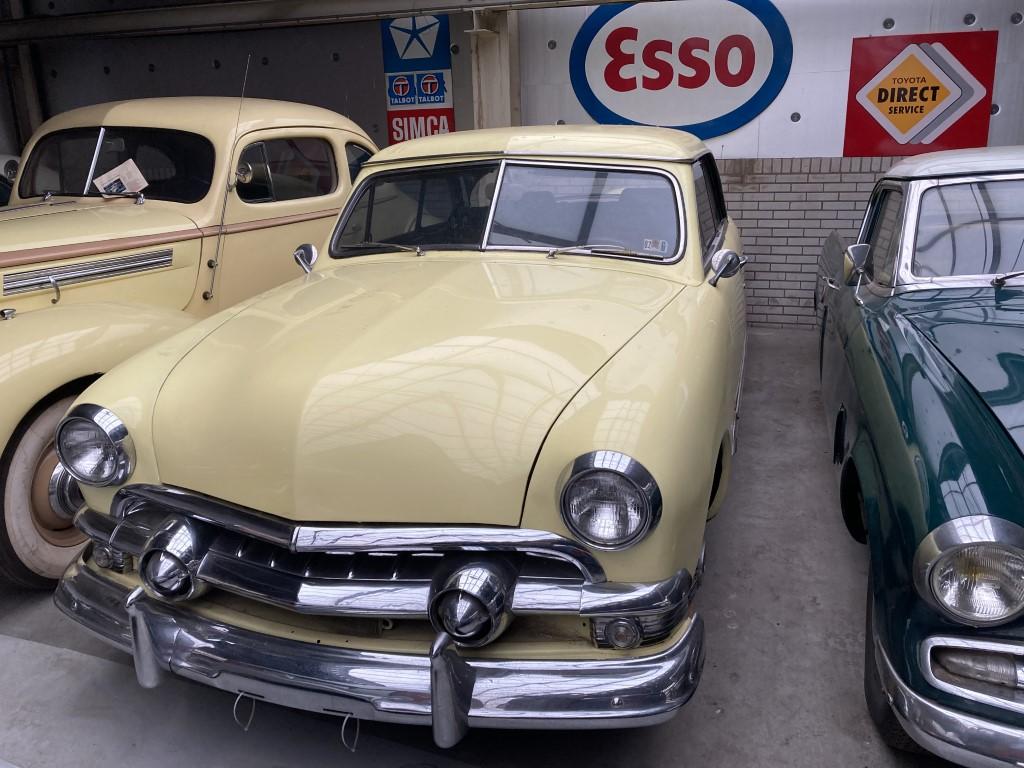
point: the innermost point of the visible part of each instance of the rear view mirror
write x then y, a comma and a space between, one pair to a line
854, 259
725, 263
305, 256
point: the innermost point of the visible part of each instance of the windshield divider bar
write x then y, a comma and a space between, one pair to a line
95, 159
494, 203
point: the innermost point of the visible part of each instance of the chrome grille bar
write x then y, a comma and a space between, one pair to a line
343, 538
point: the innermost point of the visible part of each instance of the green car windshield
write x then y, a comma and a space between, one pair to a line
526, 206
974, 228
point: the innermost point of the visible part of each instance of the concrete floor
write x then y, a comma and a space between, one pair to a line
783, 599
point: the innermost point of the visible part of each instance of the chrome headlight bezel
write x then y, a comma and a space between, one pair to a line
114, 431
952, 538
630, 471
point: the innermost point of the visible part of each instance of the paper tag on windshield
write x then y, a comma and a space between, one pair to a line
124, 178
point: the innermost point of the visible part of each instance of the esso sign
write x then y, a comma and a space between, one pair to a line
703, 66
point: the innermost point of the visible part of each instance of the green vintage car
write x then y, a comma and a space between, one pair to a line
922, 377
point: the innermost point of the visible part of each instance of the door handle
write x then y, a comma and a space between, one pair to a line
828, 281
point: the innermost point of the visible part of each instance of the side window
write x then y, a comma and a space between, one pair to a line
356, 155
288, 169
710, 200
257, 189
714, 183
884, 237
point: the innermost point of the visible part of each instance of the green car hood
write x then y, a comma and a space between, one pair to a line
984, 339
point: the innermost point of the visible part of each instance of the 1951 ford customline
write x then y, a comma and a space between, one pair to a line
458, 476
922, 367
90, 276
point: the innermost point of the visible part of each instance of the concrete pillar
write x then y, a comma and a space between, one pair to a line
495, 54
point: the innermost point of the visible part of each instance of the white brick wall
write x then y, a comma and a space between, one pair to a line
786, 207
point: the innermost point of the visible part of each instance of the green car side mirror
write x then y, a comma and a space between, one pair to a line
854, 259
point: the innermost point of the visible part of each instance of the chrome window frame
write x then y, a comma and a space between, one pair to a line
905, 279
503, 162
723, 226
886, 185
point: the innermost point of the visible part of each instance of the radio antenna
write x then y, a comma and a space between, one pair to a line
214, 263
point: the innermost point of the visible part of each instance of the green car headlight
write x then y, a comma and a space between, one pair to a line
972, 570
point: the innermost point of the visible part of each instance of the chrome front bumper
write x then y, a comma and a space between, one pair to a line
962, 738
444, 689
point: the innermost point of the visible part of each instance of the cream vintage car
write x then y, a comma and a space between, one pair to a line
88, 279
459, 475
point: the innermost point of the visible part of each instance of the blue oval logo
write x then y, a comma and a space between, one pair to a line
704, 66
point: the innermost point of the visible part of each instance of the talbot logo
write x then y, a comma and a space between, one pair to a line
920, 93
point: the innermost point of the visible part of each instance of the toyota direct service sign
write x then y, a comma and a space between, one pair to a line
703, 66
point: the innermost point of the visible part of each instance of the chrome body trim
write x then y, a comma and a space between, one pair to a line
116, 433
962, 738
626, 467
399, 587
70, 274
953, 535
494, 155
604, 692
1015, 704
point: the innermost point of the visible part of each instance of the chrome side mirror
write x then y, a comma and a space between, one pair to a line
244, 173
305, 256
11, 170
725, 263
854, 259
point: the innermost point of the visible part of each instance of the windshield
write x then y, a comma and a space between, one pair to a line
973, 228
534, 207
175, 165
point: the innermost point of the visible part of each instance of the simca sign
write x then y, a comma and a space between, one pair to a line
704, 66
417, 67
919, 93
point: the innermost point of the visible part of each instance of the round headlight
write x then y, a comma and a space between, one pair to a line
972, 570
610, 500
94, 446
980, 583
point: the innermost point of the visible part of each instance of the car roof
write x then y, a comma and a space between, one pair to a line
960, 162
211, 116
615, 141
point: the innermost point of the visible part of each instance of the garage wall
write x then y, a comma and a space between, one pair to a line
337, 66
786, 208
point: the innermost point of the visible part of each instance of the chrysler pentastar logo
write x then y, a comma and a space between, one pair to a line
415, 36
920, 93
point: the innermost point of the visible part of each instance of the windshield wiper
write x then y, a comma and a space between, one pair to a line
384, 246
1000, 280
602, 250
137, 196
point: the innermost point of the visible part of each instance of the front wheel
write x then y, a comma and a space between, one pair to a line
885, 720
37, 537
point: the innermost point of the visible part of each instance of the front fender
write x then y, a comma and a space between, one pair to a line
42, 351
927, 450
666, 399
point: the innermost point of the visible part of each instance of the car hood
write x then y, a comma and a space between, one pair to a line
52, 225
985, 341
411, 390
